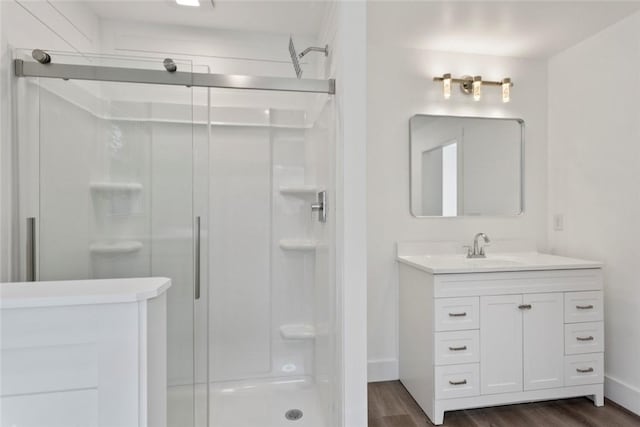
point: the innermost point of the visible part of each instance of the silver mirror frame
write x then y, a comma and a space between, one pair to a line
522, 168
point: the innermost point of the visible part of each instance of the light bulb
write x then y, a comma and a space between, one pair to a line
446, 86
506, 89
477, 88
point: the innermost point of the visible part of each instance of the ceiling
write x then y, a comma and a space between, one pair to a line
530, 29
300, 17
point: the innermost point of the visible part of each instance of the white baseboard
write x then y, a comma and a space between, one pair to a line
382, 370
622, 393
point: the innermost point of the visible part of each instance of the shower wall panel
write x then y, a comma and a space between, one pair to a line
262, 282
64, 186
292, 269
240, 238
120, 195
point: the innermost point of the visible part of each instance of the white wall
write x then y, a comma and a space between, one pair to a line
351, 207
594, 159
399, 86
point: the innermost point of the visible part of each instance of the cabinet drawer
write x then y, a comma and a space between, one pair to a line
453, 314
457, 381
585, 337
584, 369
457, 347
583, 307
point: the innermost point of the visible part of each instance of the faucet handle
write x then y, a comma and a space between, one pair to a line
469, 250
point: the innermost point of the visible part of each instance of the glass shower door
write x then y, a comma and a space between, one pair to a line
116, 180
273, 349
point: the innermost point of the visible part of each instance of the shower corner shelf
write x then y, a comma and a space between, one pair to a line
297, 245
298, 190
123, 247
115, 186
297, 332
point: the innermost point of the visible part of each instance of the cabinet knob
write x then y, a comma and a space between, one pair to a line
589, 338
524, 306
464, 313
584, 371
584, 307
461, 348
463, 382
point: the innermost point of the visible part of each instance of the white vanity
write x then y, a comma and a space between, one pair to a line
508, 328
84, 353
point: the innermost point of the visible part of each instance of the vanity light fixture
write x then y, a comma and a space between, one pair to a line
473, 86
506, 89
194, 3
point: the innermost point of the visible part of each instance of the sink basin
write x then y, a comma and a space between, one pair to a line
516, 261
498, 261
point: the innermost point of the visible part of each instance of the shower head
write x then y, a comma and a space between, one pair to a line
294, 58
170, 65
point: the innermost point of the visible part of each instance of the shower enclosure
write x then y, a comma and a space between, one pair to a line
129, 170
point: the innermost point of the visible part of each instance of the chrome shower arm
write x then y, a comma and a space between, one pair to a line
324, 49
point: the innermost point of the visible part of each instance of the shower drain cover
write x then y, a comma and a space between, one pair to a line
293, 414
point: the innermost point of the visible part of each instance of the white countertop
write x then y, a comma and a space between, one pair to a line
494, 262
80, 292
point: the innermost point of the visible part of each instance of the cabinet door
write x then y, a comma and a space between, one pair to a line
543, 326
500, 344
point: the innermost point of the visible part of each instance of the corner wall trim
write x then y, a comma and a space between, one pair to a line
622, 393
382, 370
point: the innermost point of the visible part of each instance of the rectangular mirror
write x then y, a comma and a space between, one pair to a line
466, 166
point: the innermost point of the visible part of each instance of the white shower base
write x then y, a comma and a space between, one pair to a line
256, 403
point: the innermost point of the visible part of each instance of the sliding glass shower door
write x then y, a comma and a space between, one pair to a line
117, 184
114, 171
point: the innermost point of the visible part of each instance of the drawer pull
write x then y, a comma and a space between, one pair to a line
589, 338
464, 313
584, 307
461, 348
524, 306
584, 371
463, 382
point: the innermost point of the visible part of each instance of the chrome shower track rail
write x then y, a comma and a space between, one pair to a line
178, 78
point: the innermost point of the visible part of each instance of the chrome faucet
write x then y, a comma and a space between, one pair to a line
477, 251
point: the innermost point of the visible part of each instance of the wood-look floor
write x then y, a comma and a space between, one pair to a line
390, 405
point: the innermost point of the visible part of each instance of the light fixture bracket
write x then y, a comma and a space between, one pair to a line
466, 85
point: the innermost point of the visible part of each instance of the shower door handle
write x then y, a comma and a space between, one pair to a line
321, 206
197, 261
31, 250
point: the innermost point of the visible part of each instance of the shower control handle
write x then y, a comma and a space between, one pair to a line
197, 259
321, 206
30, 258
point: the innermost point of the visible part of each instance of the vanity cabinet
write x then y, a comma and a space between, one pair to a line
492, 338
522, 342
